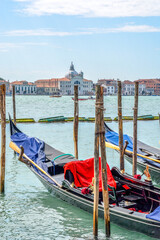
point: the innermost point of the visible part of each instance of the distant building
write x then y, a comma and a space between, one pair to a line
128, 87
152, 86
110, 86
47, 87
7, 83
66, 84
24, 88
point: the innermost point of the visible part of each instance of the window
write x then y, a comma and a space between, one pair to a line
76, 82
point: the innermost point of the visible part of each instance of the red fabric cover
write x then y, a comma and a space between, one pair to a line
137, 176
85, 190
83, 172
126, 187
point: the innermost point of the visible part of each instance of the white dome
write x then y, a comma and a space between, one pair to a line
72, 72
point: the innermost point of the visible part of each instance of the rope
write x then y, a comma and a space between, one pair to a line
100, 132
100, 103
65, 154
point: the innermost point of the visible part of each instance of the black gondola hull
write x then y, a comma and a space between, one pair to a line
120, 216
154, 171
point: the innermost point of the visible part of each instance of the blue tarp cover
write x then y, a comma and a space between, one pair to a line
113, 137
34, 149
155, 215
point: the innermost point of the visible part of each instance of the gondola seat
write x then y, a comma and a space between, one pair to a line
82, 173
132, 198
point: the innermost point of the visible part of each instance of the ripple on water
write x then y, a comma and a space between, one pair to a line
27, 210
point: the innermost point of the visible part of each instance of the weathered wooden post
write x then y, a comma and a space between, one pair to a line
134, 170
96, 162
103, 167
3, 136
75, 128
120, 125
14, 104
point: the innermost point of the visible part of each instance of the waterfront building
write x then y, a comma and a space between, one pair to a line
129, 88
85, 86
110, 86
152, 86
47, 87
108, 89
66, 84
24, 87
7, 83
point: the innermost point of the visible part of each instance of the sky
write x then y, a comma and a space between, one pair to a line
109, 39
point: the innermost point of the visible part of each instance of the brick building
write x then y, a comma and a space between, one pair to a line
152, 86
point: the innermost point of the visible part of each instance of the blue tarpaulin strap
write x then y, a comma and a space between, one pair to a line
155, 215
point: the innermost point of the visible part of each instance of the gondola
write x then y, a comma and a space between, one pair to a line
134, 204
146, 155
81, 99
91, 98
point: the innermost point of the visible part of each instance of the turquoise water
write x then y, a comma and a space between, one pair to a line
27, 210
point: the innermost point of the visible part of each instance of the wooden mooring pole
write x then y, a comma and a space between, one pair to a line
100, 138
103, 167
75, 128
3, 136
96, 163
120, 126
134, 169
14, 104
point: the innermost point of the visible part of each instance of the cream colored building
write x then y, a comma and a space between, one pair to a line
24, 88
66, 84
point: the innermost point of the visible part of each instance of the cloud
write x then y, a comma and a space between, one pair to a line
88, 31
43, 32
127, 29
92, 8
5, 47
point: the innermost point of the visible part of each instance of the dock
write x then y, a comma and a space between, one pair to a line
82, 119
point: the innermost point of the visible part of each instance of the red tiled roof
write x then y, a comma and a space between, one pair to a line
19, 82
85, 80
53, 82
22, 83
107, 80
64, 79
3, 81
128, 82
31, 83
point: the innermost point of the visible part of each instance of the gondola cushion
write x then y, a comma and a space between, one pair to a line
83, 173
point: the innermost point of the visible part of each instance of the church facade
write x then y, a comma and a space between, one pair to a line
66, 84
